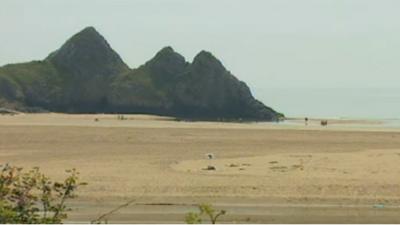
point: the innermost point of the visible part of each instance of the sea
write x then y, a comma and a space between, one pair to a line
336, 103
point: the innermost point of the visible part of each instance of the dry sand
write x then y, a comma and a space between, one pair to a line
347, 172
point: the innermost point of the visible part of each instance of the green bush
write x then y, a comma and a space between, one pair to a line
205, 210
31, 197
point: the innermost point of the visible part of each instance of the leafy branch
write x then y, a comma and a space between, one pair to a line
205, 210
31, 197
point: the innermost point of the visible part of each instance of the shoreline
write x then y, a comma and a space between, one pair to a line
151, 121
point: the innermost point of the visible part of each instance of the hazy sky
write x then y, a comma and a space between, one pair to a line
266, 43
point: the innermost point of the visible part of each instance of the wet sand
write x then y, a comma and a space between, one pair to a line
265, 172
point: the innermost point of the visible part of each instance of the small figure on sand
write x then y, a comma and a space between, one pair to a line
210, 156
324, 123
306, 121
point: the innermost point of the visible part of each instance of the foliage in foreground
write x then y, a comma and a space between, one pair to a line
31, 197
207, 211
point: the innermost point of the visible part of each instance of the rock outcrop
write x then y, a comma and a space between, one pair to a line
87, 76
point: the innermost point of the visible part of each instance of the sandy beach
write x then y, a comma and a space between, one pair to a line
347, 172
